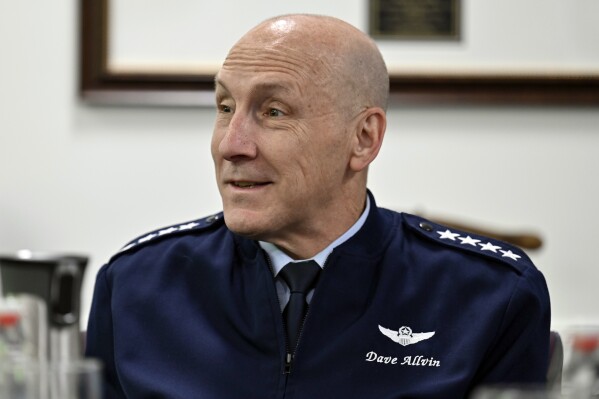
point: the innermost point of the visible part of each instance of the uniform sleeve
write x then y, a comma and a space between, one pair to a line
520, 353
100, 339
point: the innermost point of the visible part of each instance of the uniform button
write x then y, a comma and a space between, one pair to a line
425, 226
212, 219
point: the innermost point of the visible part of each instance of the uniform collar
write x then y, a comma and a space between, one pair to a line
279, 258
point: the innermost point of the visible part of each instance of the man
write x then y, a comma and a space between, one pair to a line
402, 308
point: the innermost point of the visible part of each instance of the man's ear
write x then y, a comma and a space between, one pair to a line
368, 138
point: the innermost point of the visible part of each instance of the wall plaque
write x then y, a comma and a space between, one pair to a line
414, 19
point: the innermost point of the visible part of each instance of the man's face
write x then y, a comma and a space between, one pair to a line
280, 143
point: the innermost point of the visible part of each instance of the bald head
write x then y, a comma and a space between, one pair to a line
300, 116
337, 56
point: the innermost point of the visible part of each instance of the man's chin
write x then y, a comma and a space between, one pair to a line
244, 223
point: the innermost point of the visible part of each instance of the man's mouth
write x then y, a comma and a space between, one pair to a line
247, 184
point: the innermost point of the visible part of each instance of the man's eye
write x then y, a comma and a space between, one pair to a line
225, 108
274, 112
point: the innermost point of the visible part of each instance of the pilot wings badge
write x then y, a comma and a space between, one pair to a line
404, 336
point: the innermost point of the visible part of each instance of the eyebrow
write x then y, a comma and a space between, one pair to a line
218, 82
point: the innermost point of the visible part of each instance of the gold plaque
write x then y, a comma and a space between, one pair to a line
415, 19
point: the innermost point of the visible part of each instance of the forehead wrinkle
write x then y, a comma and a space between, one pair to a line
304, 66
271, 85
265, 67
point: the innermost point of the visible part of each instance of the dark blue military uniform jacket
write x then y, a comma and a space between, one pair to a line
406, 308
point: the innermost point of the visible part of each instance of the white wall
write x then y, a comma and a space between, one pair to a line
87, 179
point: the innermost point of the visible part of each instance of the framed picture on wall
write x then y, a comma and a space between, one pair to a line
153, 53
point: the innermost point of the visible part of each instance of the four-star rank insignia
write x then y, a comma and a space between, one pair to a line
469, 242
181, 228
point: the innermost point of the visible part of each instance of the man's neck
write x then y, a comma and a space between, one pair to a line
280, 258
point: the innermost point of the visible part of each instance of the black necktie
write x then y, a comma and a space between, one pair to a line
300, 277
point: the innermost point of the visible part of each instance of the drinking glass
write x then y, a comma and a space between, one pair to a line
524, 392
78, 379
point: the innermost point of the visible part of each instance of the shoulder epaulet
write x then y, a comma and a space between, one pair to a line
470, 242
176, 229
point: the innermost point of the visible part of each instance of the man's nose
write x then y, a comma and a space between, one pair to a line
238, 141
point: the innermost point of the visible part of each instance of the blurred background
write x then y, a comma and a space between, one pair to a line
86, 178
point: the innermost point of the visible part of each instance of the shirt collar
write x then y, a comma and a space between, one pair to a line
279, 258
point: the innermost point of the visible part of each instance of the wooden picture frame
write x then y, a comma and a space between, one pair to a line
99, 85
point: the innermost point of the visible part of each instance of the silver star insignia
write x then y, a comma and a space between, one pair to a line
188, 226
167, 231
489, 247
509, 254
447, 234
146, 238
469, 240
